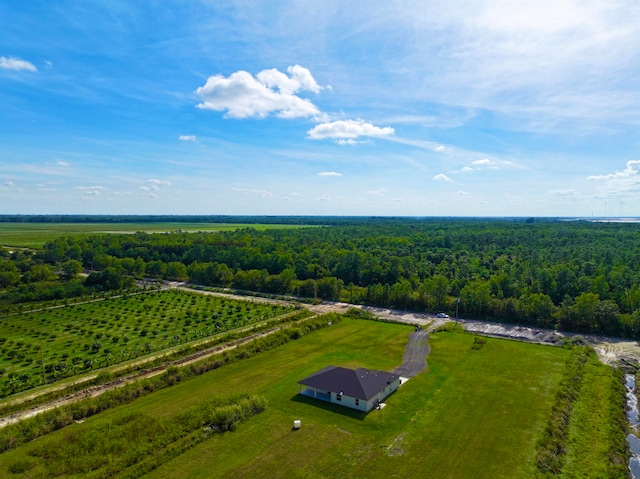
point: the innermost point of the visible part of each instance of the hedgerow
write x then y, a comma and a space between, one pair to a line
551, 446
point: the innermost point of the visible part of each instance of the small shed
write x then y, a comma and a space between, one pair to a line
361, 389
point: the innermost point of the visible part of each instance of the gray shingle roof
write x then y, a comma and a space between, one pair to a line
362, 383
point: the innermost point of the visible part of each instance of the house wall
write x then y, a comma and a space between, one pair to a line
349, 401
382, 395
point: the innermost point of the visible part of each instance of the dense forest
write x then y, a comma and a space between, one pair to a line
574, 276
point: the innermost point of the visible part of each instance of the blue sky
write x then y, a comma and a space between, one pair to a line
468, 108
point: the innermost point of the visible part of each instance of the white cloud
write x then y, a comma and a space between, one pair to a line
300, 79
484, 162
63, 163
91, 190
270, 92
631, 171
154, 185
378, 192
329, 173
563, 193
466, 169
619, 182
348, 130
440, 148
157, 183
187, 138
17, 64
463, 193
256, 192
441, 177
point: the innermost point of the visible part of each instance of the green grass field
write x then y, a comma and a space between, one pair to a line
77, 338
35, 235
474, 414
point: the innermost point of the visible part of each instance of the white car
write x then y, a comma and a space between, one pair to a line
442, 315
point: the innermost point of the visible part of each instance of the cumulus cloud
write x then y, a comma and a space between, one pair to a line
243, 95
348, 130
187, 138
618, 182
329, 173
631, 171
441, 177
17, 64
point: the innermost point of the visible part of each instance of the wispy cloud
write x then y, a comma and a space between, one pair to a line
243, 95
10, 63
187, 138
91, 190
153, 185
254, 191
329, 173
567, 194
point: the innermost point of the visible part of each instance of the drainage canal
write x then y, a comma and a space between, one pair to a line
633, 438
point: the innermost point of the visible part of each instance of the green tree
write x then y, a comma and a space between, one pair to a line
71, 269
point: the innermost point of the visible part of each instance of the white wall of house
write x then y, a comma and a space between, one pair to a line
382, 395
349, 401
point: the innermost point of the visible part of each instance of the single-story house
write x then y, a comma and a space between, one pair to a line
361, 389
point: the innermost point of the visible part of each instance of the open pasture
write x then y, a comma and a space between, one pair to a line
476, 413
35, 235
68, 340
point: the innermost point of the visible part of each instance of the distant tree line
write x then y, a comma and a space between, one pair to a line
575, 276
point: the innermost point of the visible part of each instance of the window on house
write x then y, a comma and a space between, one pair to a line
357, 402
338, 397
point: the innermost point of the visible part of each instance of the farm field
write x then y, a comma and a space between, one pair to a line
475, 413
77, 338
35, 235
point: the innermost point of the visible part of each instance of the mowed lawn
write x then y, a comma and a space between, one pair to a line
473, 414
